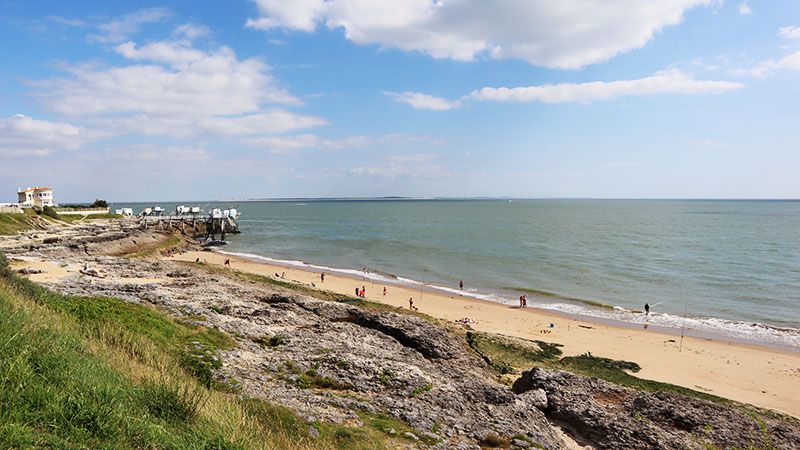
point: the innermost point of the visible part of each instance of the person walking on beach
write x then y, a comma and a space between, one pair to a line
520, 301
646, 309
411, 304
322, 277
227, 262
357, 291
384, 291
525, 301
461, 285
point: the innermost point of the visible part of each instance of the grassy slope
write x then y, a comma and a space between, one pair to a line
101, 372
72, 217
12, 223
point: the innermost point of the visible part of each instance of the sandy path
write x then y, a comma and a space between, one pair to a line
753, 374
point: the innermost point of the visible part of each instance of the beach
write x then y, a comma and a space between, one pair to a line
762, 376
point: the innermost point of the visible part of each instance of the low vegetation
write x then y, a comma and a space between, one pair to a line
79, 372
13, 223
76, 217
512, 356
152, 249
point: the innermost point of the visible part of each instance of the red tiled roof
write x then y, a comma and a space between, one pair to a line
40, 188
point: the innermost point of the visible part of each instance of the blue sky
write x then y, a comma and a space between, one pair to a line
266, 98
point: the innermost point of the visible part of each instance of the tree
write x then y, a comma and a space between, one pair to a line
100, 204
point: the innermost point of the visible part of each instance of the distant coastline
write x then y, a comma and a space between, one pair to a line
438, 198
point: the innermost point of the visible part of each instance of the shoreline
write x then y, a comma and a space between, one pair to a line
727, 330
756, 374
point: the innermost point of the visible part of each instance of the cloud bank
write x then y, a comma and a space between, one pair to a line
563, 35
21, 135
666, 82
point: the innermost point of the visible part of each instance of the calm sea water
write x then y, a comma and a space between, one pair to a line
732, 266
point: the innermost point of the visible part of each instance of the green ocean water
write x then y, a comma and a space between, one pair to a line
732, 266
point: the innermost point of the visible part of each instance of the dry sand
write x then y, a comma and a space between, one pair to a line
752, 374
55, 271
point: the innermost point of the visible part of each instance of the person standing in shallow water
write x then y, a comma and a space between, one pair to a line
646, 309
461, 285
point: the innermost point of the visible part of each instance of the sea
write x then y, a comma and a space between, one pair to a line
725, 269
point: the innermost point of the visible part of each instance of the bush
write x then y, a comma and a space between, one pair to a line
49, 211
493, 441
100, 204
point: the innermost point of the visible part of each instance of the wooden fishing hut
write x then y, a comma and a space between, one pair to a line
191, 220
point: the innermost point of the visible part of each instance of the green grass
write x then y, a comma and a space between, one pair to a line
152, 249
72, 218
104, 216
13, 223
86, 372
512, 356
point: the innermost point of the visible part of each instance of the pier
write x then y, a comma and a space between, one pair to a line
191, 221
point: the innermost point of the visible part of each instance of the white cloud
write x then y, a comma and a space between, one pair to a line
21, 135
792, 32
137, 153
176, 53
192, 31
121, 28
178, 90
744, 9
65, 21
424, 101
267, 122
766, 68
665, 82
393, 170
553, 34
291, 144
171, 88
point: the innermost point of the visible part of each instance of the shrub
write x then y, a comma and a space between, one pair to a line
100, 204
493, 441
49, 211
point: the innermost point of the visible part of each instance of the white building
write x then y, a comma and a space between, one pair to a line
38, 196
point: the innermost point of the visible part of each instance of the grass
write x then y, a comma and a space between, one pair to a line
512, 356
151, 249
88, 372
13, 223
72, 218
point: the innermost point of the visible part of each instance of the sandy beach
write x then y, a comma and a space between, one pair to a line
753, 374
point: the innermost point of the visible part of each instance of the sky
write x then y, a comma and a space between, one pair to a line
197, 100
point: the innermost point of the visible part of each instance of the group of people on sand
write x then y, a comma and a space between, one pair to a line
466, 321
174, 251
411, 304
361, 292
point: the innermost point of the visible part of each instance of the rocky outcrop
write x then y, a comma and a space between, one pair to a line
608, 416
327, 360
